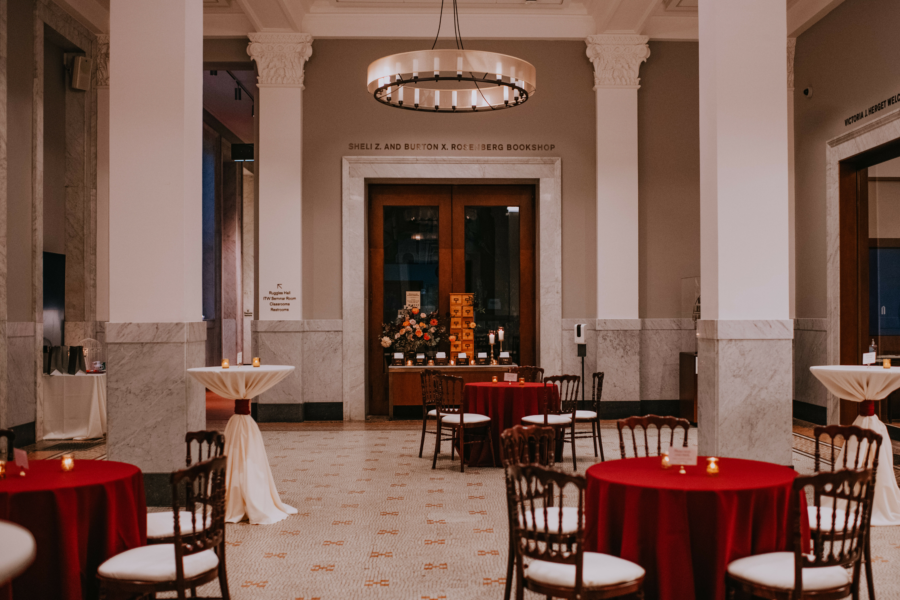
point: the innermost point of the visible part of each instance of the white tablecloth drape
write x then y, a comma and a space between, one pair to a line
73, 406
248, 480
858, 384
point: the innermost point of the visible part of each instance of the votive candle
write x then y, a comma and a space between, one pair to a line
67, 463
664, 462
712, 466
2, 469
256, 362
225, 364
500, 334
494, 379
887, 363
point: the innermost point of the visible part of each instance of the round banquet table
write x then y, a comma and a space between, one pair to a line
78, 519
251, 490
506, 403
685, 529
865, 385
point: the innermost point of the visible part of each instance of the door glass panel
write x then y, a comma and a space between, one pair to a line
410, 257
492, 273
884, 256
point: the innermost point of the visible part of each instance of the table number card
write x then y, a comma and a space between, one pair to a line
682, 456
869, 358
441, 355
21, 458
511, 377
398, 359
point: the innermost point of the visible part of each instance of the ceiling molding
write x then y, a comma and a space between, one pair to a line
250, 14
89, 13
672, 28
803, 14
226, 25
642, 21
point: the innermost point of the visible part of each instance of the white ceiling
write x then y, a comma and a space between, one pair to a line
479, 19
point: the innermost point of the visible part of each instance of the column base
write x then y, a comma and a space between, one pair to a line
619, 357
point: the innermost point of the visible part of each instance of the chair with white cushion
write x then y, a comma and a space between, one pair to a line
562, 415
528, 373
591, 414
649, 422
429, 391
550, 556
191, 560
450, 416
832, 569
861, 448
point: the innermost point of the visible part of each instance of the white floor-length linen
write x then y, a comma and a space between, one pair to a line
858, 384
248, 479
74, 406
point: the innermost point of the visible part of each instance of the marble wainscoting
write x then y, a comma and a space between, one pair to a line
662, 340
314, 391
619, 357
810, 350
151, 399
744, 404
24, 366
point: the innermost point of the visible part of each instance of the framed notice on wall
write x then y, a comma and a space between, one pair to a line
414, 299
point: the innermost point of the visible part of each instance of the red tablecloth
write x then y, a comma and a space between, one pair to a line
505, 404
78, 519
685, 529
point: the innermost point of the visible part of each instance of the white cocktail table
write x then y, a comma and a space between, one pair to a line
865, 385
251, 490
73, 407
18, 550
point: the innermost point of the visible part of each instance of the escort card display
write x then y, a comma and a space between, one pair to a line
462, 324
397, 361
504, 358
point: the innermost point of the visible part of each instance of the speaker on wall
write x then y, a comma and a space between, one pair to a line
81, 73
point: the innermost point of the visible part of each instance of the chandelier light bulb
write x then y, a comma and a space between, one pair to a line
437, 66
415, 68
505, 95
417, 98
459, 66
437, 99
474, 99
400, 95
453, 104
499, 71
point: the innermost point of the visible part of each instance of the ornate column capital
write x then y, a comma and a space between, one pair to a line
791, 50
101, 62
617, 59
280, 57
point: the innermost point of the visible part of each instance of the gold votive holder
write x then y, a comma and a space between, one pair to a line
452, 362
67, 463
430, 362
256, 362
409, 363
2, 469
712, 466
681, 470
494, 379
521, 381
887, 363
225, 364
664, 461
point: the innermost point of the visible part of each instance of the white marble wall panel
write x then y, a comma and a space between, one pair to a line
619, 357
151, 400
322, 367
22, 373
662, 340
810, 343
281, 348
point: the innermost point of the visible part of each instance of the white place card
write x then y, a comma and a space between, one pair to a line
504, 355
441, 355
418, 356
510, 377
679, 455
21, 458
462, 355
869, 358
482, 355
398, 355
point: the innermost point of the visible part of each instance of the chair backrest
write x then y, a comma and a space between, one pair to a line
861, 447
839, 537
537, 533
430, 387
10, 437
203, 486
529, 374
450, 394
521, 445
568, 386
597, 391
647, 422
212, 442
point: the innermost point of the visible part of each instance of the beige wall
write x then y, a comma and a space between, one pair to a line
849, 59
669, 176
338, 111
54, 149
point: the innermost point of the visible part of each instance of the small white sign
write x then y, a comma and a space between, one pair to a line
441, 355
398, 355
682, 456
510, 377
869, 358
413, 299
418, 356
482, 355
504, 355
462, 355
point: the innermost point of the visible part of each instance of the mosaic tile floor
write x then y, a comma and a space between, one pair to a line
376, 522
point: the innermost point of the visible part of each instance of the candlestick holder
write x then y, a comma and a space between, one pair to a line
493, 360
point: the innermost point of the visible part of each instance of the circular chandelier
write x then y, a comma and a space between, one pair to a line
455, 80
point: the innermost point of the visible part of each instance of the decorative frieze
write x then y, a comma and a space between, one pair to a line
617, 59
280, 57
101, 62
791, 50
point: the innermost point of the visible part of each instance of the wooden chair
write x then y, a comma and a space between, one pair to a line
646, 422
529, 374
429, 391
10, 437
191, 560
449, 414
563, 417
864, 456
208, 444
592, 416
550, 556
837, 547
522, 446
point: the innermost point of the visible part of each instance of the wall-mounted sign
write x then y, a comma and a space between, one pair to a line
451, 147
279, 299
895, 99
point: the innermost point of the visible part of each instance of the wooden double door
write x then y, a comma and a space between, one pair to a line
443, 239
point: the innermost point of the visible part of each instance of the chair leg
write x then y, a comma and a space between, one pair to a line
223, 574
594, 436
424, 422
510, 563
574, 461
437, 445
491, 443
870, 585
453, 445
462, 449
600, 440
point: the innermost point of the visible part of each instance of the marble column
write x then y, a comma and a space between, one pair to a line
155, 331
745, 336
101, 88
617, 60
792, 192
4, 240
278, 331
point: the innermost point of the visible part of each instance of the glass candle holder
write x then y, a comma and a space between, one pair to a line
664, 461
2, 469
887, 363
225, 364
521, 381
256, 362
494, 379
67, 463
430, 362
712, 466
452, 362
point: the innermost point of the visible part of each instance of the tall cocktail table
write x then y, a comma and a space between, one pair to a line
865, 385
251, 490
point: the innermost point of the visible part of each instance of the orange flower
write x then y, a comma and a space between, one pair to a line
418, 333
406, 323
452, 338
434, 322
422, 325
427, 337
472, 324
415, 311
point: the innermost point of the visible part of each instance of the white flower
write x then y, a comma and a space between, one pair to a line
412, 322
431, 330
386, 342
397, 337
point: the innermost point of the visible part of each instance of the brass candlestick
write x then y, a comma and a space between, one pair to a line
493, 360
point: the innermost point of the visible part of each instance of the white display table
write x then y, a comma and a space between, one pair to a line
18, 550
74, 406
865, 385
251, 490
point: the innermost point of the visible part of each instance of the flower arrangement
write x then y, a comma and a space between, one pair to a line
413, 331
